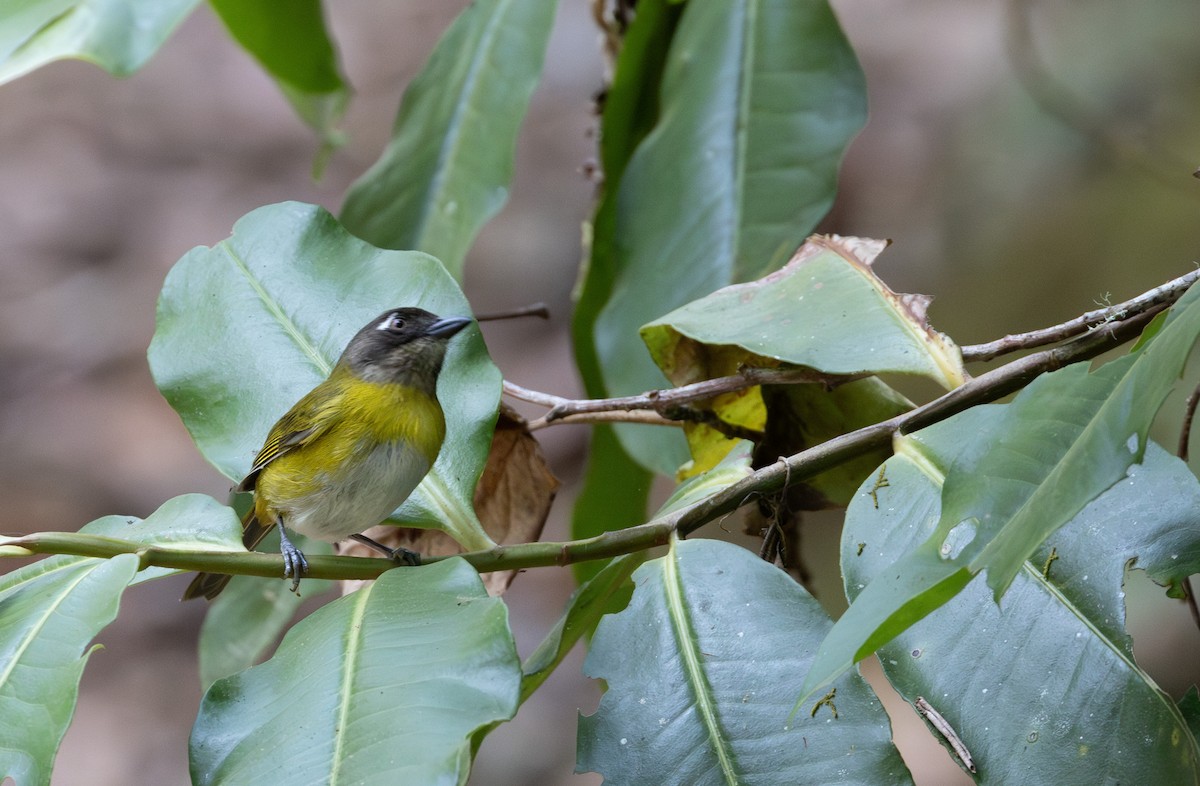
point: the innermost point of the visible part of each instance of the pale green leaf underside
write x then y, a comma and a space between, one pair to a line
116, 35
383, 686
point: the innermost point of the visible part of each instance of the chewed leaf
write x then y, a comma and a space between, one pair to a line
826, 310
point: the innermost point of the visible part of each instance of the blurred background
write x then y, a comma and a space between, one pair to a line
1029, 163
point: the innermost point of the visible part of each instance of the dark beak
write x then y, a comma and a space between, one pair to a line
444, 328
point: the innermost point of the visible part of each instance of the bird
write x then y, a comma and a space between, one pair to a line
349, 452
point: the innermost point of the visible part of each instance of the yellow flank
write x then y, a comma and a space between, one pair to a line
356, 416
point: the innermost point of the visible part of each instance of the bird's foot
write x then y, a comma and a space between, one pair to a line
295, 566
399, 554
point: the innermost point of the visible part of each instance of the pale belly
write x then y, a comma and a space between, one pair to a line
361, 498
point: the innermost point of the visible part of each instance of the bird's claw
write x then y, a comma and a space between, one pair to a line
405, 556
295, 566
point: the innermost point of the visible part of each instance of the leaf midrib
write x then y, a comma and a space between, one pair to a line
685, 637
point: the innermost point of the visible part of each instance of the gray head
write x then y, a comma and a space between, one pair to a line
403, 345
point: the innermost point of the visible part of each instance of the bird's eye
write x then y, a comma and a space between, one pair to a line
394, 322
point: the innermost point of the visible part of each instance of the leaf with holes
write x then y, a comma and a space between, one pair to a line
694, 668
1045, 682
1063, 441
247, 327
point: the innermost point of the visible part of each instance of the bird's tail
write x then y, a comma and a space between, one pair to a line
209, 585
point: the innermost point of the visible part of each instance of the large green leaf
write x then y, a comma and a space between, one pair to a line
606, 590
116, 35
1046, 682
50, 610
825, 310
758, 101
247, 327
694, 666
383, 686
447, 168
289, 40
1065, 439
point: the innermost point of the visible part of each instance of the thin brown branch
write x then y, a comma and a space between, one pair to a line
1167, 293
1185, 431
637, 409
611, 416
662, 401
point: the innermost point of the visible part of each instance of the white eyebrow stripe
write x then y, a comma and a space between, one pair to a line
384, 324
946, 730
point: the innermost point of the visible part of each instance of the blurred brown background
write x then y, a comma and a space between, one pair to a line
1017, 203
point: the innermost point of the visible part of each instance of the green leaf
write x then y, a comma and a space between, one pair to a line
1189, 706
1045, 682
291, 43
759, 99
250, 614
116, 35
694, 668
604, 593
51, 609
825, 310
447, 168
383, 686
630, 110
1027, 470
247, 327
735, 466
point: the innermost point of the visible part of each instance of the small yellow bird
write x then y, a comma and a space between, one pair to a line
347, 454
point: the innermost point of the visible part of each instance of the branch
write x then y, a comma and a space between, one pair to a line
1167, 293
637, 409
801, 466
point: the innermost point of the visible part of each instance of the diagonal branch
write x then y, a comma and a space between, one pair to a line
982, 389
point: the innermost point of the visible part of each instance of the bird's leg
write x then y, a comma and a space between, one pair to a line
294, 563
398, 554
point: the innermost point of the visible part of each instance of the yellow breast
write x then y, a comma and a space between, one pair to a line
345, 460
